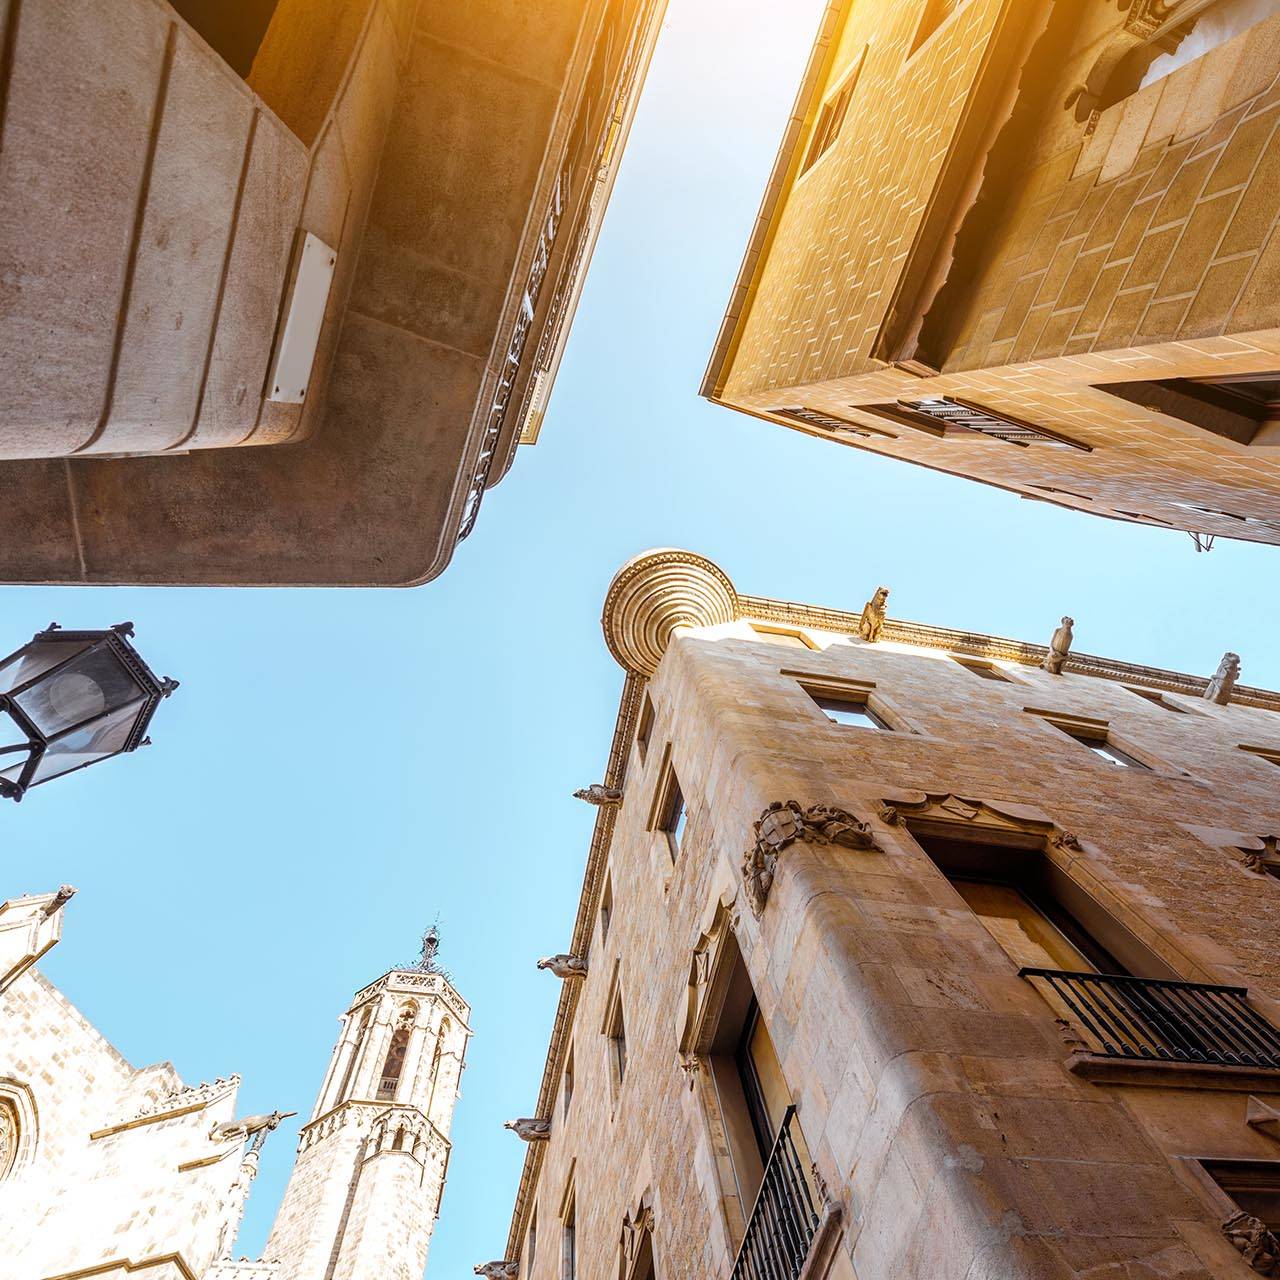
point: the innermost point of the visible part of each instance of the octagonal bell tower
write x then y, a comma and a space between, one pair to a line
365, 1190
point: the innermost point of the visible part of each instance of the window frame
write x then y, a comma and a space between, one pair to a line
614, 1030
823, 136
1087, 731
1270, 754
847, 689
982, 669
664, 815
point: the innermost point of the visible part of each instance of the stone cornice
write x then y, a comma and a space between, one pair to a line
418, 983
658, 591
588, 905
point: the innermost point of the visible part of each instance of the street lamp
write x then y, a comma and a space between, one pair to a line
76, 697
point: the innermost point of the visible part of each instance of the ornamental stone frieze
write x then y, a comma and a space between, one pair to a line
781, 825
941, 810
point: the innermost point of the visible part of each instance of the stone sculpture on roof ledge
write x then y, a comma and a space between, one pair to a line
599, 795
564, 966
1254, 1240
1059, 647
530, 1128
782, 824
871, 624
1224, 680
498, 1270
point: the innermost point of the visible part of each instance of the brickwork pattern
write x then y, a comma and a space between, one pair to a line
930, 1078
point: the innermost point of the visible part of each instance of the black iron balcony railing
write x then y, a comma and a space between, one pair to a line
783, 1220
1152, 1019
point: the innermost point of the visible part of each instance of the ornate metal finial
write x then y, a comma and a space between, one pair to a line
1224, 680
564, 965
871, 624
1059, 647
600, 795
427, 962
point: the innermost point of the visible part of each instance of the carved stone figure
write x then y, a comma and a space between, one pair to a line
1224, 680
785, 822
1059, 647
889, 814
8, 1138
871, 624
255, 1127
564, 966
60, 899
1066, 840
600, 795
498, 1270
1262, 860
1259, 1248
530, 1128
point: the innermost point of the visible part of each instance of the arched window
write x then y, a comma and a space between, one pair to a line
350, 1069
393, 1065
9, 1136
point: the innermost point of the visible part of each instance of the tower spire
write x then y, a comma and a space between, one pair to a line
365, 1190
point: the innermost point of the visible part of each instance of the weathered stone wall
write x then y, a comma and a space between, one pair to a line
930, 1079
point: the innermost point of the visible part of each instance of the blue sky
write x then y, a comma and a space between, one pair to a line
340, 766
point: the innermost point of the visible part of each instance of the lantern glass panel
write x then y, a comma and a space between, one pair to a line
84, 746
89, 685
38, 656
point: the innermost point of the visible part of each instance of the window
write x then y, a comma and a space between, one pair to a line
643, 1267
233, 30
932, 16
831, 117
783, 635
615, 1032
998, 426
644, 727
1244, 408
532, 1249
569, 1240
1269, 754
566, 1089
606, 908
1157, 698
983, 670
1253, 1185
670, 812
848, 710
1104, 749
393, 1064
10, 1135
829, 422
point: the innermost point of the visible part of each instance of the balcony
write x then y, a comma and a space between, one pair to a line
1149, 1020
784, 1219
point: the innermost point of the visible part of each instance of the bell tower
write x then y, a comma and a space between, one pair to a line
365, 1189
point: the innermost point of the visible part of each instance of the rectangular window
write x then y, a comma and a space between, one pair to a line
1253, 1185
569, 1242
1244, 409
615, 1034
849, 711
829, 422
606, 908
1104, 749
831, 117
1269, 754
962, 418
533, 1240
983, 670
932, 16
566, 1086
645, 726
1157, 698
670, 812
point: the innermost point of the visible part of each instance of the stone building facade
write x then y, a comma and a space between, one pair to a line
1033, 243
284, 284
120, 1173
900, 954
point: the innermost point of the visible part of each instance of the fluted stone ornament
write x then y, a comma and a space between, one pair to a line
530, 1128
1224, 680
564, 966
599, 795
1059, 647
656, 592
502, 1270
871, 624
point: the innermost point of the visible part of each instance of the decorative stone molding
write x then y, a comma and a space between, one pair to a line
656, 592
782, 824
1223, 681
692, 1065
564, 966
635, 1226
503, 1270
1259, 1248
599, 795
1146, 22
705, 977
871, 623
1059, 647
943, 810
530, 1128
175, 1103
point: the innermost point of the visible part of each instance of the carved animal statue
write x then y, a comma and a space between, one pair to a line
1224, 680
871, 624
251, 1125
530, 1128
1256, 1244
564, 966
498, 1270
598, 794
1059, 647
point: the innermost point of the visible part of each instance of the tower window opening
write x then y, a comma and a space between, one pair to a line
393, 1065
